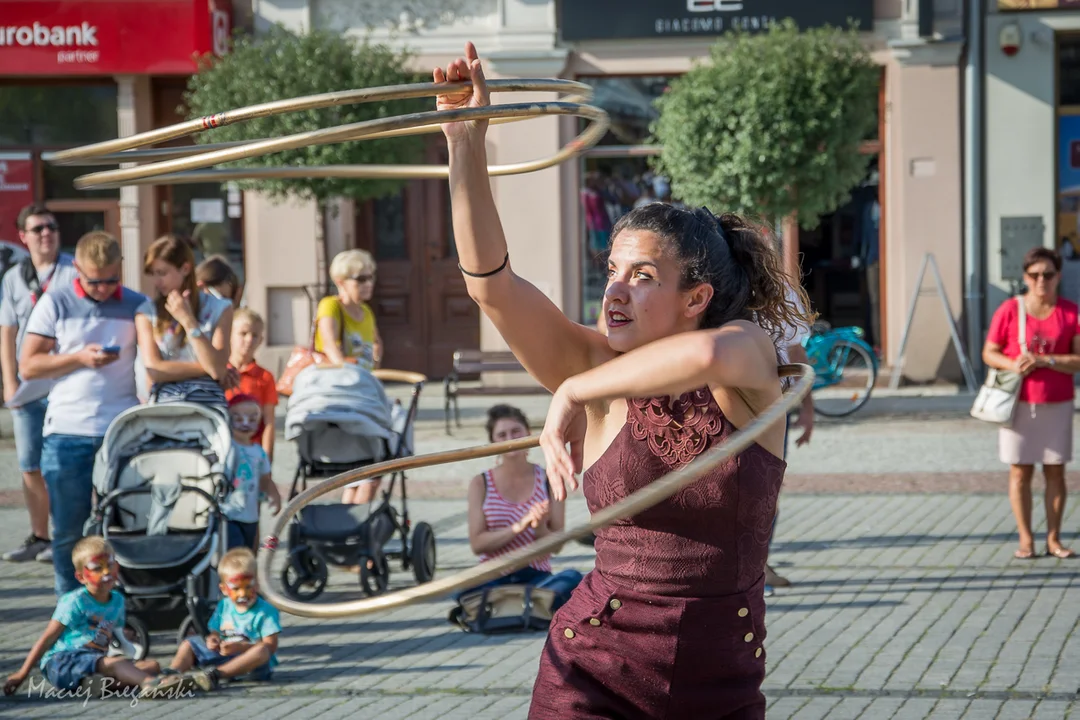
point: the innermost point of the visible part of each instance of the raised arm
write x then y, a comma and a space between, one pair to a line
528, 321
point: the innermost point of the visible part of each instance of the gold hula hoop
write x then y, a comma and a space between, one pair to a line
189, 165
633, 504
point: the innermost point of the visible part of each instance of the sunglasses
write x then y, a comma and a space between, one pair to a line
38, 229
1044, 275
104, 281
363, 278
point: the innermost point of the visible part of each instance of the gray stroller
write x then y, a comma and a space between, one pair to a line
159, 478
342, 419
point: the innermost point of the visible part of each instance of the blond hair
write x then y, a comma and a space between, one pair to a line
351, 263
237, 561
98, 249
87, 549
250, 315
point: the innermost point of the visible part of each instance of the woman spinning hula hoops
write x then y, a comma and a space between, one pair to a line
670, 624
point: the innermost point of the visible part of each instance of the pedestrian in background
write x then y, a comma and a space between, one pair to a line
1047, 357
83, 337
22, 286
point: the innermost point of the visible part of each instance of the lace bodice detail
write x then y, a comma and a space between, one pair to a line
677, 434
710, 538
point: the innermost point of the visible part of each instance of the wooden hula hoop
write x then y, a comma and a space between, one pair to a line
189, 165
632, 505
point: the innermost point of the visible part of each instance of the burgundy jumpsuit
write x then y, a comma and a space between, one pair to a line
671, 621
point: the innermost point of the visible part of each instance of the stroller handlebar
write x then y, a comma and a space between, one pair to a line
401, 376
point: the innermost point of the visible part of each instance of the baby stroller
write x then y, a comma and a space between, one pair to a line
342, 419
159, 479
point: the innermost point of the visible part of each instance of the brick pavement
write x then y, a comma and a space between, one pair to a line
906, 604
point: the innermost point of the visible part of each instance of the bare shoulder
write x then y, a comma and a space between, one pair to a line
751, 338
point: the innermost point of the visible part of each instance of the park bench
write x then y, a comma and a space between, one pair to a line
476, 362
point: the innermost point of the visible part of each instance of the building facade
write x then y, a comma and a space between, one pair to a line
74, 73
1032, 178
628, 50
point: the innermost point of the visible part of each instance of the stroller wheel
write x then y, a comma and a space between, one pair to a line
138, 635
304, 575
188, 628
423, 552
376, 579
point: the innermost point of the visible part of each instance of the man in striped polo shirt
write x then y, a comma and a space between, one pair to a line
83, 336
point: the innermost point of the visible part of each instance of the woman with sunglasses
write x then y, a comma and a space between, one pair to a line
1041, 431
345, 331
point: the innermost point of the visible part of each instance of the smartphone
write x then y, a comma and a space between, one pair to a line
111, 350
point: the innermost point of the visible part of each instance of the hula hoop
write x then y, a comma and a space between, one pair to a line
629, 506
189, 165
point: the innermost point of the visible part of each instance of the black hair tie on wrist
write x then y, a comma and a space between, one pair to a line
496, 271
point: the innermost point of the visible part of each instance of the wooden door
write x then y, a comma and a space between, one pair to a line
421, 305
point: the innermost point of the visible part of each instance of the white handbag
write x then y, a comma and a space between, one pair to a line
996, 401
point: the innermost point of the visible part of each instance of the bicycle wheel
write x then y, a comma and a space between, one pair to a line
855, 374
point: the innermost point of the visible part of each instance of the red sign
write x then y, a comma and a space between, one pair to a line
16, 191
107, 37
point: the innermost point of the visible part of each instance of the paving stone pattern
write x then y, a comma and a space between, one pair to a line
903, 606
906, 602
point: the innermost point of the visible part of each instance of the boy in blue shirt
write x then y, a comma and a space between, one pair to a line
243, 637
252, 477
75, 644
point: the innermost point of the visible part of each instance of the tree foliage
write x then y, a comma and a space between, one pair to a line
281, 65
772, 124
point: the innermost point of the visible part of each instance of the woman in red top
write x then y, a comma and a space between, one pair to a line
1042, 428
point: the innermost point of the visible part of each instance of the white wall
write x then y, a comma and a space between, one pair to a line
1020, 132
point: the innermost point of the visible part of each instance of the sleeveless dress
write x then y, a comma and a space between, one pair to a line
671, 621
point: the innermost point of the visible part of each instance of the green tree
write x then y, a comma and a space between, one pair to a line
281, 65
771, 125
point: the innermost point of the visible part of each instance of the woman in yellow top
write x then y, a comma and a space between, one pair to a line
346, 330
345, 322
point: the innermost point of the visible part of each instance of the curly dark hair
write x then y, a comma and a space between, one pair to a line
735, 256
502, 412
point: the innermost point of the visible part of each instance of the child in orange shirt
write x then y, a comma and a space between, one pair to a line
247, 335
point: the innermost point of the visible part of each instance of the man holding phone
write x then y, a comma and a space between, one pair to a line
22, 286
83, 337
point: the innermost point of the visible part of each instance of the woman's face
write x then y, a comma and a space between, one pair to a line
357, 288
167, 277
509, 429
1042, 279
643, 301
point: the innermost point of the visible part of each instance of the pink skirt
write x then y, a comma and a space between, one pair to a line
1040, 435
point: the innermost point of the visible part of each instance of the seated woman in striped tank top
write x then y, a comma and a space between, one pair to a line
510, 507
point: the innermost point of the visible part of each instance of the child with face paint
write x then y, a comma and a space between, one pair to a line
252, 475
75, 643
243, 637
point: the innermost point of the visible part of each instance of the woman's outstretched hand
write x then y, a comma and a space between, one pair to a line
467, 68
565, 425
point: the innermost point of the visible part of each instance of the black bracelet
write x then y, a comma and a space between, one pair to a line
496, 271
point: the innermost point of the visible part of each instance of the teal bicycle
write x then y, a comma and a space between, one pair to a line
846, 368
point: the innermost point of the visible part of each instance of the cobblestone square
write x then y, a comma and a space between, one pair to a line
905, 603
